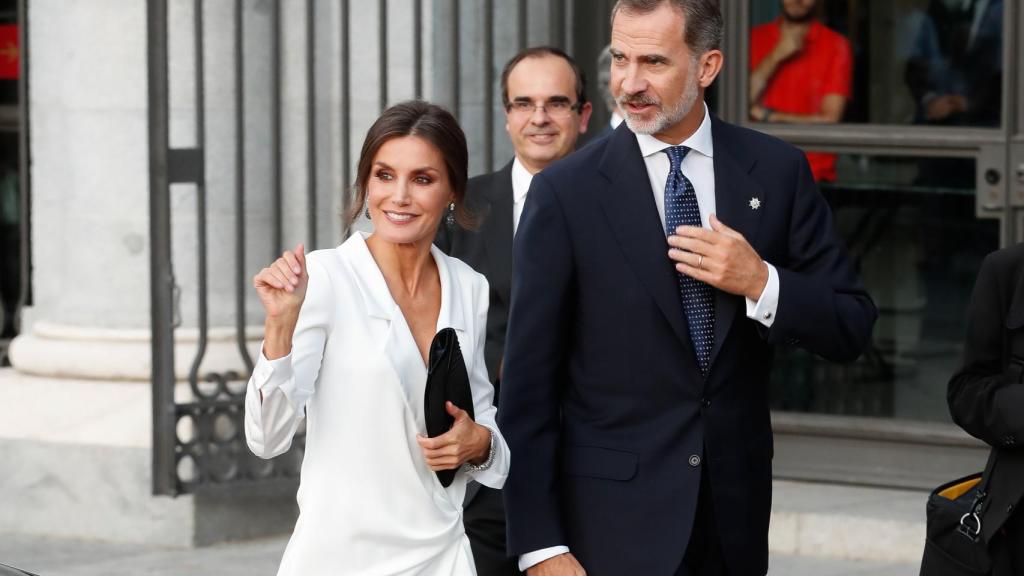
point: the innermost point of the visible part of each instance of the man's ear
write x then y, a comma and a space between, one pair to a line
710, 65
585, 113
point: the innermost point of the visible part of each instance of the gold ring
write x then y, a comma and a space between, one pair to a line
700, 262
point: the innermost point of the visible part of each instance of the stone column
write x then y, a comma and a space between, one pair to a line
87, 107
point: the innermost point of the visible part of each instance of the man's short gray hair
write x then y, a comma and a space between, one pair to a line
704, 24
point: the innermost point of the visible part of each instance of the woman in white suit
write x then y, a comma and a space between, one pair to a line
346, 344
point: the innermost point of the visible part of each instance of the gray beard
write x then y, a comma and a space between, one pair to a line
666, 116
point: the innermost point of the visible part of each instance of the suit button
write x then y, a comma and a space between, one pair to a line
1009, 440
1009, 509
705, 402
694, 460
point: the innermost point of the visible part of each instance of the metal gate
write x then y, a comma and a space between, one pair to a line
307, 77
199, 440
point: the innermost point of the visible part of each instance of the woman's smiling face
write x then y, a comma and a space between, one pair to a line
408, 190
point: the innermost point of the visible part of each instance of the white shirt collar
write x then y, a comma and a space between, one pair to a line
699, 141
521, 179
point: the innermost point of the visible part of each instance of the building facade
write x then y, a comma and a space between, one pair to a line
174, 147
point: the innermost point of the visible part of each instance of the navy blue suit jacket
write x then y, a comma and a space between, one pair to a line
602, 402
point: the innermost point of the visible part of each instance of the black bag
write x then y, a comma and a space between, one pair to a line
447, 379
954, 545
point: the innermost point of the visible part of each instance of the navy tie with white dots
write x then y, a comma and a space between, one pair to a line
681, 209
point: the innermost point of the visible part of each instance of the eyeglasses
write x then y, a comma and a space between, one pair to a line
553, 108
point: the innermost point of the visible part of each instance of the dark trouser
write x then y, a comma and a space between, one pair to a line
704, 552
484, 519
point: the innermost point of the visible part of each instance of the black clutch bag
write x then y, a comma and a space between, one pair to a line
447, 380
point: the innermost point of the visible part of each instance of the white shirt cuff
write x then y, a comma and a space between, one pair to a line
531, 559
268, 375
763, 310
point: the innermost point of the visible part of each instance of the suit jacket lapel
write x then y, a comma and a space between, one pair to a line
633, 216
497, 232
736, 194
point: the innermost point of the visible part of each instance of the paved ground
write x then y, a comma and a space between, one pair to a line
255, 558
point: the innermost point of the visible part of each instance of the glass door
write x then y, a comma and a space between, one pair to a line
912, 126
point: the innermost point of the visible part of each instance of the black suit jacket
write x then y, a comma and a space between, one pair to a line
986, 396
604, 405
488, 250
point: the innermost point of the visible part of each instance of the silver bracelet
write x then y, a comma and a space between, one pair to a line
490, 456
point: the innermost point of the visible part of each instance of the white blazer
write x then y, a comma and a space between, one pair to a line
368, 502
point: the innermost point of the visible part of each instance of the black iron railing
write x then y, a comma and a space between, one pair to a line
198, 434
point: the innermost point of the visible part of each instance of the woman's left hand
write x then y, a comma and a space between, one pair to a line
467, 441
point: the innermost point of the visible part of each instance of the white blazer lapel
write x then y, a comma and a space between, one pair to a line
377, 299
388, 328
452, 299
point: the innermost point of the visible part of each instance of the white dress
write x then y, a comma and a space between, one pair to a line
368, 502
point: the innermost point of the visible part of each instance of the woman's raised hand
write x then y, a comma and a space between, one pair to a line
282, 285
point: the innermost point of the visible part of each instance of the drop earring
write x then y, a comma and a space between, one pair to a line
449, 218
367, 212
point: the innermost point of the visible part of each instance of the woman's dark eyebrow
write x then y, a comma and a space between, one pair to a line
385, 166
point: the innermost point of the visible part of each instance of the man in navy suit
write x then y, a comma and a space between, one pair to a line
655, 270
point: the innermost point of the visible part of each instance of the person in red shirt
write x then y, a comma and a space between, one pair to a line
800, 73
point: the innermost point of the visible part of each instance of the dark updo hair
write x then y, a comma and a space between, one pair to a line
423, 120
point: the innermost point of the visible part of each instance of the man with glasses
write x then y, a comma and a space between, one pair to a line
546, 110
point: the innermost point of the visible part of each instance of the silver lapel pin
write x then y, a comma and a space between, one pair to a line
755, 203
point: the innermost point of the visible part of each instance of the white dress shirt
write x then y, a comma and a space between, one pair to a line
521, 179
699, 168
368, 502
